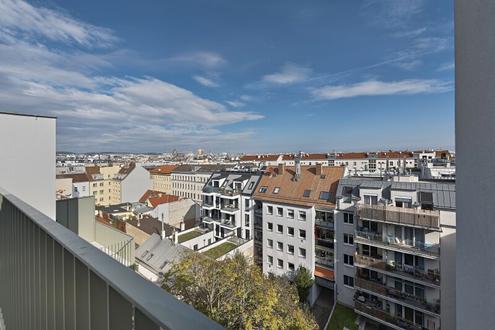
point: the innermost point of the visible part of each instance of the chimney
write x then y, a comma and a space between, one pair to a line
318, 169
297, 162
281, 168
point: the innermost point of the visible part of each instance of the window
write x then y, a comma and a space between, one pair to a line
269, 209
251, 184
348, 260
291, 267
290, 231
280, 263
290, 213
280, 211
302, 215
263, 189
302, 233
270, 226
280, 246
349, 218
276, 190
349, 281
280, 229
307, 193
246, 220
269, 242
195, 247
302, 252
370, 200
246, 203
348, 239
324, 195
290, 249
270, 260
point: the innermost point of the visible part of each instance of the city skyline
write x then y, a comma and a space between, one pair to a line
238, 77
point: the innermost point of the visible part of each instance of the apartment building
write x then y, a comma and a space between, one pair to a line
188, 180
261, 160
374, 162
396, 251
228, 206
294, 221
161, 178
79, 184
305, 159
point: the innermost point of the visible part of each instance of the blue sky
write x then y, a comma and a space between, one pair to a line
240, 76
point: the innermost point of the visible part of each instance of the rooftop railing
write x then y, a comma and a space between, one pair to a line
53, 279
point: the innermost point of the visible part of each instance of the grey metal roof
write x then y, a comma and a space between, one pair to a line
443, 193
160, 254
231, 177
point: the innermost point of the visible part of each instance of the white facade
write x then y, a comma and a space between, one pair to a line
288, 238
27, 151
174, 213
135, 184
189, 185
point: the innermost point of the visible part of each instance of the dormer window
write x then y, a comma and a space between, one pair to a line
276, 190
263, 189
307, 193
324, 195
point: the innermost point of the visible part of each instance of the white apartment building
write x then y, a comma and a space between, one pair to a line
27, 169
188, 180
396, 251
305, 159
294, 221
228, 206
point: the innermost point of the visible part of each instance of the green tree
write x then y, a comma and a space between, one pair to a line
237, 294
303, 281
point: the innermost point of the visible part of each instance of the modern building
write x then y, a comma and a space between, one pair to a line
396, 251
79, 184
188, 180
161, 178
294, 221
228, 206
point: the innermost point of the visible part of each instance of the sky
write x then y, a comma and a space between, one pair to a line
232, 75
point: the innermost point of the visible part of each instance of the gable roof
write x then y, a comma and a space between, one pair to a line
76, 177
148, 194
155, 201
293, 192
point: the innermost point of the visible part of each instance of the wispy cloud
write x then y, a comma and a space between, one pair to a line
446, 66
19, 18
289, 74
235, 103
392, 13
207, 82
204, 59
377, 88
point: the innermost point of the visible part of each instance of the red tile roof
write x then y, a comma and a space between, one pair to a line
163, 170
306, 156
148, 194
155, 201
352, 155
394, 154
250, 158
76, 177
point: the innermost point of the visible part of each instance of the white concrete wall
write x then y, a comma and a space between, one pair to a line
175, 212
448, 269
345, 294
135, 184
27, 153
475, 159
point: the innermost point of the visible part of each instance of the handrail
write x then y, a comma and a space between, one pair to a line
123, 296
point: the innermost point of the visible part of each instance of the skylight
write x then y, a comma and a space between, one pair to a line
306, 193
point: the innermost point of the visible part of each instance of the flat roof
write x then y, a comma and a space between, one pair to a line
26, 115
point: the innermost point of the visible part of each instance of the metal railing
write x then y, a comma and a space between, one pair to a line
377, 312
404, 216
386, 241
53, 279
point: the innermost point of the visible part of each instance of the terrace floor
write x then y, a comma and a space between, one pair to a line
343, 317
188, 236
220, 250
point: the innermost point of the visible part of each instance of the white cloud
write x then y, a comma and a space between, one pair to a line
19, 16
102, 112
235, 104
377, 88
203, 59
205, 81
289, 74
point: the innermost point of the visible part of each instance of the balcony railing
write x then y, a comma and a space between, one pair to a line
384, 290
53, 279
427, 249
404, 216
377, 312
324, 223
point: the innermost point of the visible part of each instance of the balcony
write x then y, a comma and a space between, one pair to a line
380, 288
324, 223
229, 208
425, 250
53, 279
375, 312
402, 216
430, 277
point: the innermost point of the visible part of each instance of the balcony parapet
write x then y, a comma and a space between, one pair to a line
429, 219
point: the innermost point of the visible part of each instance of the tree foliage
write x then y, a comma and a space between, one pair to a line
236, 294
303, 281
